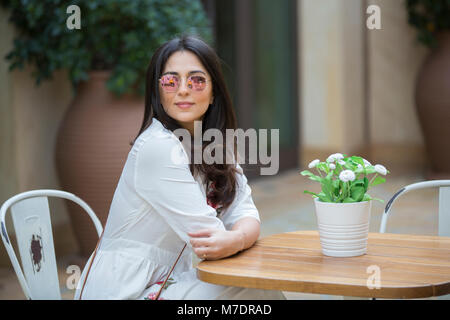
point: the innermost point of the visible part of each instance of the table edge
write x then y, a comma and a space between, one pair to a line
407, 292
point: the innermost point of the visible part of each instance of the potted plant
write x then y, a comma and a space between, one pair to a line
106, 61
343, 206
431, 19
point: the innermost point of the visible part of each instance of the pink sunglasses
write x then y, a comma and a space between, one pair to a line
171, 83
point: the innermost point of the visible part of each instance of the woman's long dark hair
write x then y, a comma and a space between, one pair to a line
220, 115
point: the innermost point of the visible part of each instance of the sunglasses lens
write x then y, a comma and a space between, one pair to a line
197, 83
169, 83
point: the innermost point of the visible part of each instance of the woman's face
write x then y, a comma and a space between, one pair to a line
190, 101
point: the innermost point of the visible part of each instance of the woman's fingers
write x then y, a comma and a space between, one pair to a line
211, 244
200, 233
200, 242
200, 238
202, 253
206, 253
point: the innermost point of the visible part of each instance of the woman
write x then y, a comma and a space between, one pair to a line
161, 204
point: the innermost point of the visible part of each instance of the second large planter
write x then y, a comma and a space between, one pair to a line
433, 107
343, 227
92, 147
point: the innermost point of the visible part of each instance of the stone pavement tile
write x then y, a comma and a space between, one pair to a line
10, 288
9, 285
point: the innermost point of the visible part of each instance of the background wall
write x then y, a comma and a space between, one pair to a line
357, 88
332, 87
29, 121
8, 179
394, 58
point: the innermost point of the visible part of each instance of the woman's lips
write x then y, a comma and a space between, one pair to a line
184, 105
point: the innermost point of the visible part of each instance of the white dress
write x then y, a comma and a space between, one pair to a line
156, 203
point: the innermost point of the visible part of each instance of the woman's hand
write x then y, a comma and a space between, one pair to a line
214, 244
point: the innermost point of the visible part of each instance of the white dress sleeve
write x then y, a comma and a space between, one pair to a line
170, 188
242, 205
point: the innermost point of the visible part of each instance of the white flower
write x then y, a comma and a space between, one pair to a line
347, 175
313, 163
335, 156
332, 166
341, 162
360, 167
380, 169
366, 163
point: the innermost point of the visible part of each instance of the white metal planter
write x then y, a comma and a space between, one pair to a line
343, 227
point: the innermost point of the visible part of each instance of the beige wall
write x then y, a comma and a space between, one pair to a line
395, 58
29, 122
8, 168
333, 94
332, 87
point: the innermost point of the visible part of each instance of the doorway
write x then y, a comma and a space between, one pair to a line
257, 41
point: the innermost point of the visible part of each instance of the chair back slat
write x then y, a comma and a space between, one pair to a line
32, 224
444, 211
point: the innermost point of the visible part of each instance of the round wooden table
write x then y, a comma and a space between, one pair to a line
395, 266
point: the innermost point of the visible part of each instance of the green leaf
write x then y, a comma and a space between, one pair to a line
370, 170
323, 197
309, 192
357, 160
357, 193
366, 184
336, 187
377, 181
359, 182
311, 176
327, 188
343, 192
329, 175
348, 200
305, 173
323, 166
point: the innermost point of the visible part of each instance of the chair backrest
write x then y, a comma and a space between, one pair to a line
444, 203
31, 219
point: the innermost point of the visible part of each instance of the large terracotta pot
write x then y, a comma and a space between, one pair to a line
433, 106
92, 146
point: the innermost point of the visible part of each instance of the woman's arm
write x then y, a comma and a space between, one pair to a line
170, 188
242, 224
249, 229
214, 244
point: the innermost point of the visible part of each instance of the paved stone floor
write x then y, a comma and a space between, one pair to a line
284, 207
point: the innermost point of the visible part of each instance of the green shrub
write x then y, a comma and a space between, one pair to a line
116, 35
429, 17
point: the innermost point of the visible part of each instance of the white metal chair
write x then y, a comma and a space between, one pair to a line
444, 207
31, 219
444, 203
